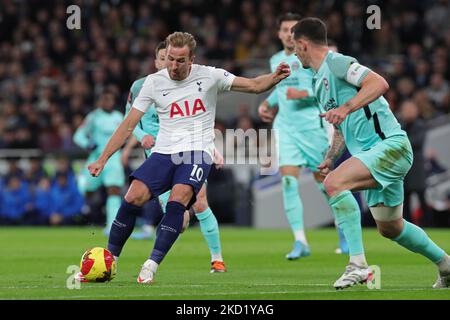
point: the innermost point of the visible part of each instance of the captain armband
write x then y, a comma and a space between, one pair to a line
356, 73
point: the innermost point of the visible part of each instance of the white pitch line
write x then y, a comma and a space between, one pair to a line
231, 293
180, 285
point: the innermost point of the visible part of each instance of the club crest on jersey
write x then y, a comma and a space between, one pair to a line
199, 83
176, 110
295, 65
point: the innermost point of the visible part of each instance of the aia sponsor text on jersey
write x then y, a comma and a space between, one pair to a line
186, 108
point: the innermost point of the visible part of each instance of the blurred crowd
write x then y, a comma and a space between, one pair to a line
40, 196
50, 76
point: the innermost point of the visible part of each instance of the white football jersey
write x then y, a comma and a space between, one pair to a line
186, 108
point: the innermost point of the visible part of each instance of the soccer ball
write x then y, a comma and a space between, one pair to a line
98, 265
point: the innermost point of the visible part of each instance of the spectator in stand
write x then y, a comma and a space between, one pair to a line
438, 92
43, 202
15, 201
35, 172
14, 168
67, 201
64, 165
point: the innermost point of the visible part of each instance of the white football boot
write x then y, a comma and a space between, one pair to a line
79, 277
146, 275
353, 275
443, 280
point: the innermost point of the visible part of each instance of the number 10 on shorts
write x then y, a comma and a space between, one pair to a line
197, 172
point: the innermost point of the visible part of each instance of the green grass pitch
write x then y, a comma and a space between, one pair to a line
34, 263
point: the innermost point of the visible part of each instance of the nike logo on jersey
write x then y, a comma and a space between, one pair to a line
165, 93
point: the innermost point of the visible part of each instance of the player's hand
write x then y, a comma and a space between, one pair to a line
96, 168
282, 72
335, 116
293, 93
266, 114
218, 159
325, 167
148, 141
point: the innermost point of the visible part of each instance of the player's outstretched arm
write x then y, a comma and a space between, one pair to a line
261, 83
334, 152
118, 138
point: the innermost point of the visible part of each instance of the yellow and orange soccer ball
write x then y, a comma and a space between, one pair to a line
98, 265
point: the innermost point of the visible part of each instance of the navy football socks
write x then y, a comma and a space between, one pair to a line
122, 227
168, 230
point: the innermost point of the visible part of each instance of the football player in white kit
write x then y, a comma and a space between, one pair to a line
185, 97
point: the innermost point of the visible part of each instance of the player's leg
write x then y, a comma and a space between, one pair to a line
385, 165
168, 230
392, 225
131, 207
293, 207
152, 214
351, 175
187, 179
290, 161
210, 230
349, 223
163, 199
113, 178
389, 162
113, 202
312, 147
343, 245
151, 178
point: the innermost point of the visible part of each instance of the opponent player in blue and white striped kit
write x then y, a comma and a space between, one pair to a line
185, 97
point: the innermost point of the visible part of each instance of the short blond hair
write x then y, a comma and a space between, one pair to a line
181, 39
